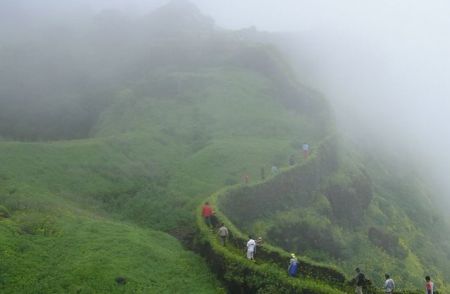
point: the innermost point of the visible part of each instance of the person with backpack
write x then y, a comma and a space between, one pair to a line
429, 285
251, 244
223, 234
389, 285
360, 281
293, 266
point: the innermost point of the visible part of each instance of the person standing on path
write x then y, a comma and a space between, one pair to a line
207, 213
251, 244
291, 160
429, 285
389, 285
360, 280
274, 170
223, 234
305, 148
293, 266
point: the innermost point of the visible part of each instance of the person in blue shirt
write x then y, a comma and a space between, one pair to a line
293, 266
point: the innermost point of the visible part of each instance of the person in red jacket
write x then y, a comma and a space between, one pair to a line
207, 213
429, 286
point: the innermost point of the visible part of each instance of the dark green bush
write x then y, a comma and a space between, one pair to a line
4, 212
37, 224
388, 242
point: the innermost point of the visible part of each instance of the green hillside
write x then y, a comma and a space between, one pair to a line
110, 140
55, 238
350, 209
134, 151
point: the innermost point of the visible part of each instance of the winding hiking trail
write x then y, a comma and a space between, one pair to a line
268, 274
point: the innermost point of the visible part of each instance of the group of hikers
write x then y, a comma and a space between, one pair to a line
274, 169
359, 281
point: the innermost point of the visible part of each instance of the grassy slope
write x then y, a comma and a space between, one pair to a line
225, 125
400, 207
52, 244
150, 161
85, 255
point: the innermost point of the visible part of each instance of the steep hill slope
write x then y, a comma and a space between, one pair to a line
138, 121
54, 240
152, 132
351, 209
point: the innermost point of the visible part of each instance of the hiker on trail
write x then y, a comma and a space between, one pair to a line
389, 285
259, 242
223, 234
207, 213
263, 174
246, 179
251, 244
291, 160
429, 285
305, 148
274, 170
360, 280
293, 266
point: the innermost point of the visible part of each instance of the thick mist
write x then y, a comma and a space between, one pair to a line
383, 65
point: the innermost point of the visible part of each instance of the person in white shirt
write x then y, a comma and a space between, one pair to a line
389, 285
305, 148
223, 234
251, 248
274, 170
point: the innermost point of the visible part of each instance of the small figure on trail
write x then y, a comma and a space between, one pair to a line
223, 234
251, 244
259, 242
293, 266
246, 179
207, 213
263, 174
360, 280
389, 285
274, 170
305, 148
291, 160
429, 285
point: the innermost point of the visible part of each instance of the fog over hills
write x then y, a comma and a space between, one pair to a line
127, 115
382, 64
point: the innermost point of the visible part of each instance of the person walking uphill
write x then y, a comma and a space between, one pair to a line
360, 280
389, 285
223, 234
251, 244
305, 148
429, 285
207, 213
293, 266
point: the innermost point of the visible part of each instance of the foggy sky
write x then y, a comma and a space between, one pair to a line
383, 64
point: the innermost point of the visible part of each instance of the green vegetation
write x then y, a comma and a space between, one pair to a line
78, 214
42, 253
337, 218
110, 153
268, 273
